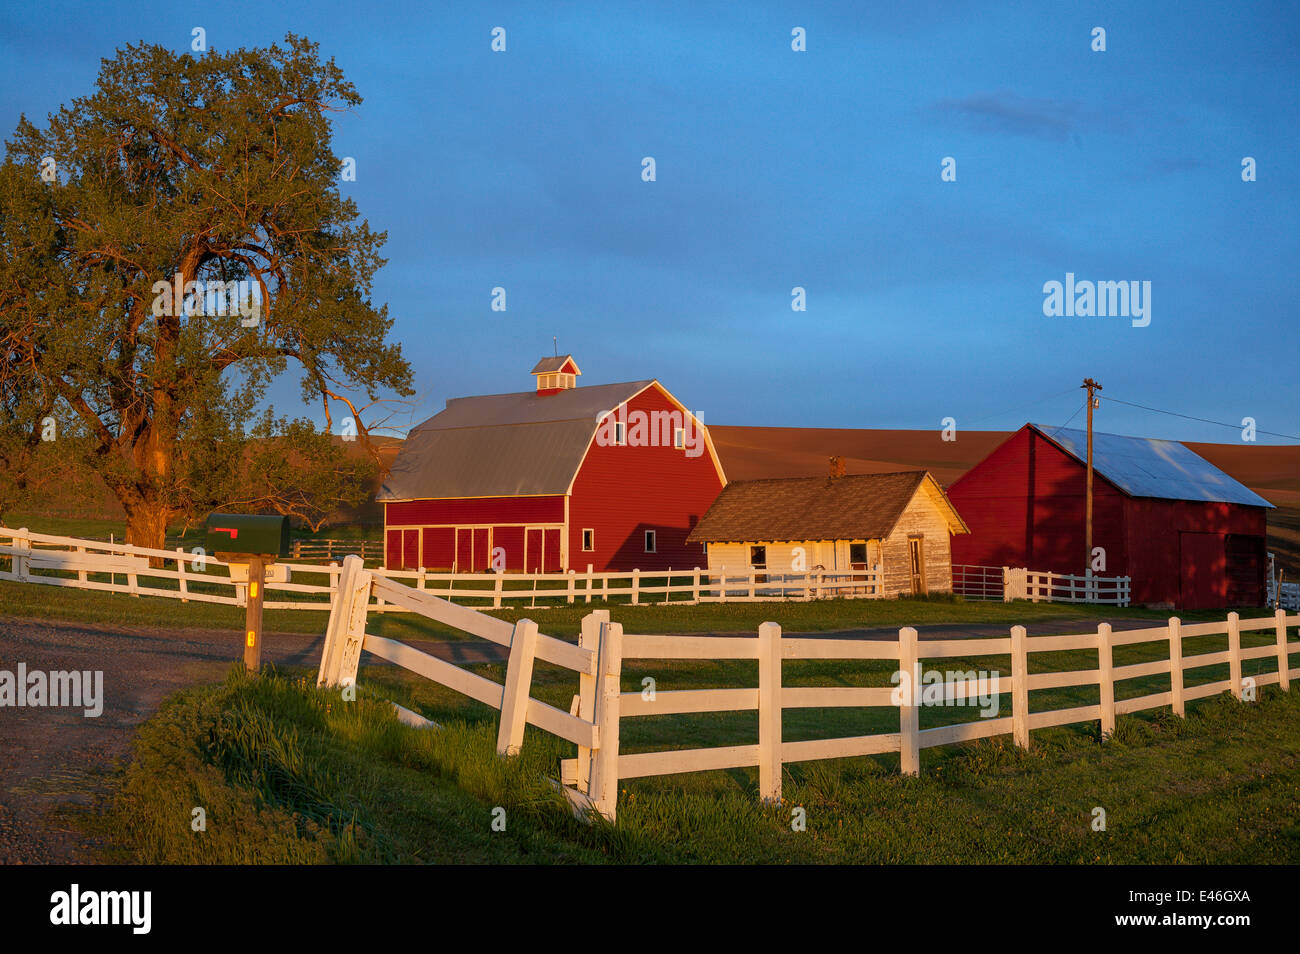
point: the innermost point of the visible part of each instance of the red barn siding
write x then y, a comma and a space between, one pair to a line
621, 492
475, 510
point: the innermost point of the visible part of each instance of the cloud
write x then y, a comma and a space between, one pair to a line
1013, 114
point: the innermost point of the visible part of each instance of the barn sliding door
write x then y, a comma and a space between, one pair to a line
533, 551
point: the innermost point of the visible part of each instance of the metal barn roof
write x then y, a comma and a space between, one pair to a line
1146, 467
502, 445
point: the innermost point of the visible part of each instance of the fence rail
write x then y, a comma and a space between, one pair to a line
978, 582
1012, 583
99, 565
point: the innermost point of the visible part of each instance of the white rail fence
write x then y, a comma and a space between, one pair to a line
186, 575
1040, 586
590, 780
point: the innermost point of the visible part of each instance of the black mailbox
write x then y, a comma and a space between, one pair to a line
246, 533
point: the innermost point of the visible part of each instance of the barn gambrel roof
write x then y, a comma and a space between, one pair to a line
507, 445
1146, 467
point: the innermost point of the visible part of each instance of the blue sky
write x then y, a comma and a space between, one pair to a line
818, 169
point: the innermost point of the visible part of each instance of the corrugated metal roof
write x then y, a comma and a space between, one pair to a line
857, 507
502, 444
1146, 467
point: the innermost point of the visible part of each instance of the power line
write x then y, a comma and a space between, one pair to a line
1018, 407
1062, 427
1188, 417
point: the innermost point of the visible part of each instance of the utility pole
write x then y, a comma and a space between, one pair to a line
1091, 386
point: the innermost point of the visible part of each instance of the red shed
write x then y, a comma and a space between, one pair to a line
1185, 532
613, 476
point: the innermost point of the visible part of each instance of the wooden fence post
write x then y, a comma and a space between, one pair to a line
636, 587
695, 588
1283, 658
603, 791
589, 638
340, 621
1020, 686
1106, 680
497, 587
1234, 654
180, 570
722, 585
572, 578
752, 575
519, 681
1176, 665
769, 712
909, 718
588, 575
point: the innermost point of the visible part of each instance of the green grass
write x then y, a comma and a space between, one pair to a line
88, 606
289, 773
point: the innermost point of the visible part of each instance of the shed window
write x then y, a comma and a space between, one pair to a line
649, 541
588, 540
679, 438
758, 557
858, 553
620, 433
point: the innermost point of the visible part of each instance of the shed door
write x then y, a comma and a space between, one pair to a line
916, 562
410, 550
1203, 583
393, 550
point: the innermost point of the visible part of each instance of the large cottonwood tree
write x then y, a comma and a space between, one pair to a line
183, 168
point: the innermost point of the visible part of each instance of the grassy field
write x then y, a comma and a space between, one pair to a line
290, 774
88, 606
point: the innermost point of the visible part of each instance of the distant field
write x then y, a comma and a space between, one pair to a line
753, 452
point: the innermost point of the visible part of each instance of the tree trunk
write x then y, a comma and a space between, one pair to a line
146, 526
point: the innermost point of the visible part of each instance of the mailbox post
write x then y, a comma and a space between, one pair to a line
254, 542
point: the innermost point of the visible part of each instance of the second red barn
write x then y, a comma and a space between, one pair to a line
561, 477
1185, 532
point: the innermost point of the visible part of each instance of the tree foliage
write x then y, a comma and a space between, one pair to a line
179, 169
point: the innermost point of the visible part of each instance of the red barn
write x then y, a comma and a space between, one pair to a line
613, 476
1188, 534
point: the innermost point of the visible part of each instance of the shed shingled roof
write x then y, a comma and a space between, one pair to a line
502, 445
1147, 467
854, 507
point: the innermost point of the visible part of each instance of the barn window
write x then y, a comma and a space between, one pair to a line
649, 541
620, 433
857, 554
679, 438
588, 540
758, 558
